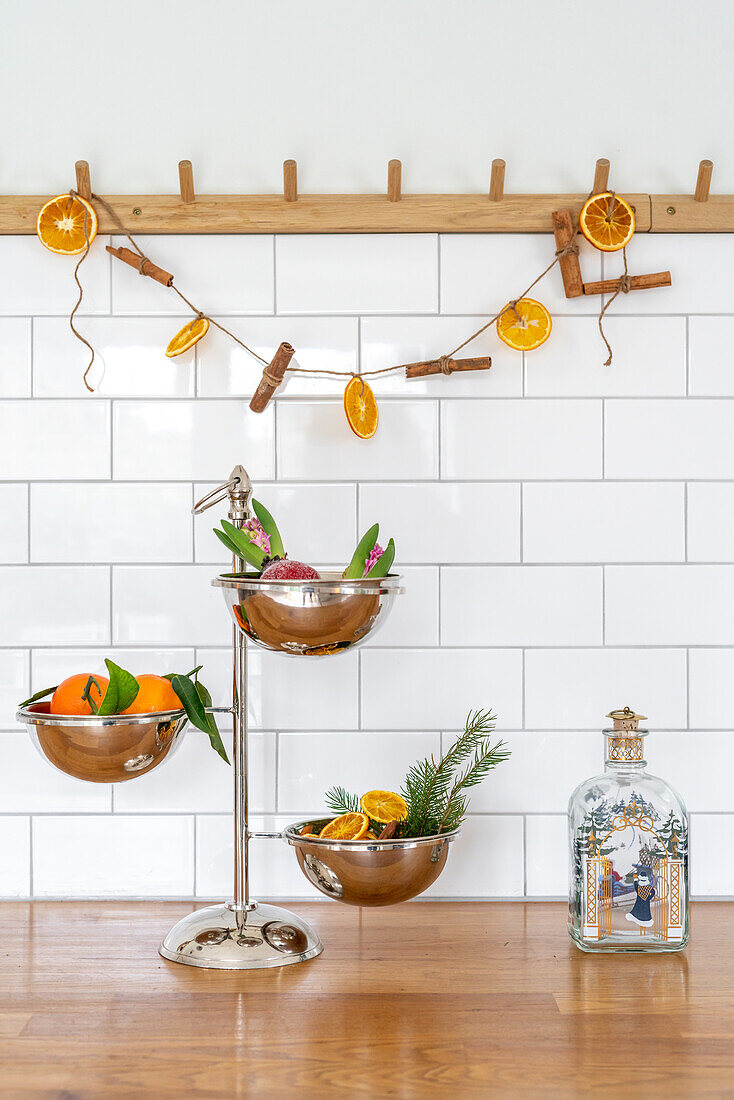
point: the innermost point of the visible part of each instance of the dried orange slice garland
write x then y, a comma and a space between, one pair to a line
60, 225
360, 408
524, 326
189, 335
346, 827
384, 806
607, 221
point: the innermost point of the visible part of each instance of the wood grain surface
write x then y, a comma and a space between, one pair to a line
429, 999
294, 213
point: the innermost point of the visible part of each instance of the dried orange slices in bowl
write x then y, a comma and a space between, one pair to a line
607, 221
67, 225
524, 326
346, 827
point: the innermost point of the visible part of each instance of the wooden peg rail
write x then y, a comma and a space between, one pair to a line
289, 212
186, 181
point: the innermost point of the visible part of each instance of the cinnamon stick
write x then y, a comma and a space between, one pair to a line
563, 230
145, 267
434, 366
273, 375
389, 831
637, 282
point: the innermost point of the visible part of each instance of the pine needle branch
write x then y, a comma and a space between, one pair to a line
341, 801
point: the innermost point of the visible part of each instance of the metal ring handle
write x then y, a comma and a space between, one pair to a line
215, 496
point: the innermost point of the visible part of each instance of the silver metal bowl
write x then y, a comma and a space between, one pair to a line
111, 749
308, 618
375, 872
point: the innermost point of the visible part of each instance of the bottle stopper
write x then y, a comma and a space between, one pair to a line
625, 719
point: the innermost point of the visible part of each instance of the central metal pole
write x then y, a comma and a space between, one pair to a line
239, 497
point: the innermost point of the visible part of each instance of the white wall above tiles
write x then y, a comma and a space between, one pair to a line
564, 531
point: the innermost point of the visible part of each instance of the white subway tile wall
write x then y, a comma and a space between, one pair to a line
564, 530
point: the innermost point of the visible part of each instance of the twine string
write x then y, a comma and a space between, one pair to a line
141, 268
443, 362
73, 195
623, 287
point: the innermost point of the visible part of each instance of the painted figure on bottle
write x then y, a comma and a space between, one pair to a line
645, 888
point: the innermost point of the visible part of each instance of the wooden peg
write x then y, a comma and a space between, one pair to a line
497, 181
273, 375
637, 282
290, 181
143, 265
394, 173
601, 176
563, 230
186, 181
703, 183
83, 183
436, 366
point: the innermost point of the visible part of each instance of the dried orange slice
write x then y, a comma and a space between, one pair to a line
360, 408
61, 223
189, 335
346, 827
384, 806
607, 221
525, 327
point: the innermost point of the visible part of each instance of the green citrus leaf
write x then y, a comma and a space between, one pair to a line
38, 695
192, 703
121, 691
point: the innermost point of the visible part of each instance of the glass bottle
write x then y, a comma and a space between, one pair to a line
628, 837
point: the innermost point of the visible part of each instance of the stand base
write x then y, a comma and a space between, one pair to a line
220, 938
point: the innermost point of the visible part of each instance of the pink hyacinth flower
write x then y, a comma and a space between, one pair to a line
375, 555
258, 535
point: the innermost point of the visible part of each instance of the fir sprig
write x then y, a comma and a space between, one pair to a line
340, 801
435, 789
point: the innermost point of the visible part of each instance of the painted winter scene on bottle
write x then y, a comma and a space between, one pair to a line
628, 834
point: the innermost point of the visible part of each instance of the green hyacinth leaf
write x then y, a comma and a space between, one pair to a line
381, 568
365, 546
240, 545
270, 527
121, 691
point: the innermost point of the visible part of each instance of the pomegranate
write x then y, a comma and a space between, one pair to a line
282, 569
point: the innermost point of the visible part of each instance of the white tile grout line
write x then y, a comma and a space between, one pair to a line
30, 855
685, 521
193, 861
438, 273
524, 855
276, 777
132, 815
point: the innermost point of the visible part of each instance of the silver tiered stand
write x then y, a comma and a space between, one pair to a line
302, 618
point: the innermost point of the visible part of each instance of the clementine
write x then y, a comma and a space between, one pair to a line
155, 694
68, 697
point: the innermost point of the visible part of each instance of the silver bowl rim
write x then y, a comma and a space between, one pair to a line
34, 717
333, 585
292, 834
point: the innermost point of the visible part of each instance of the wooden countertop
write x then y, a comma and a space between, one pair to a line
430, 999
